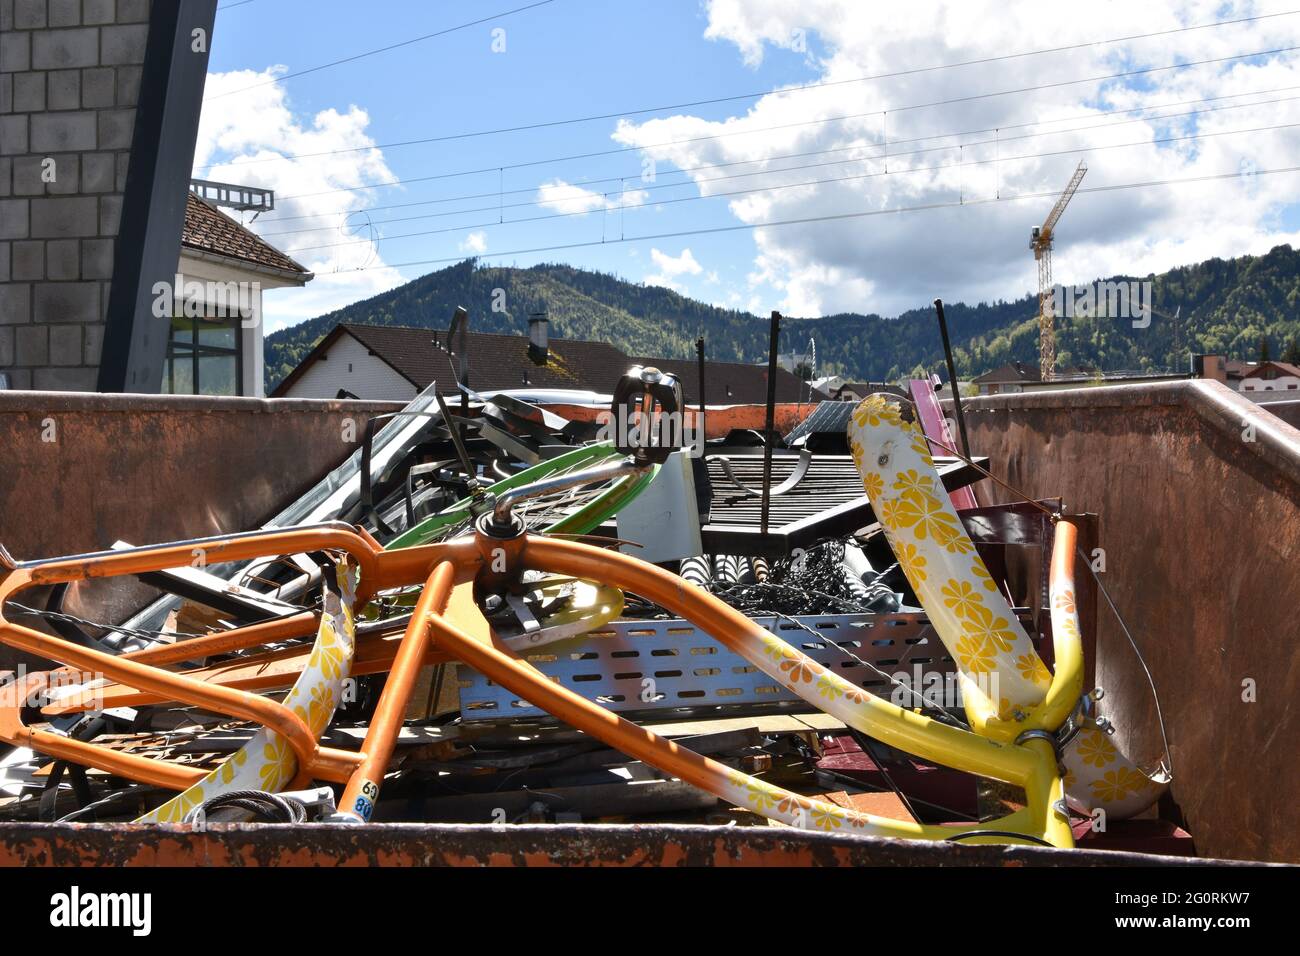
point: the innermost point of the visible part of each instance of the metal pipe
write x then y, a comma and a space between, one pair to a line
886, 722
1030, 766
506, 501
644, 744
769, 427
704, 436
1067, 646
952, 376
362, 789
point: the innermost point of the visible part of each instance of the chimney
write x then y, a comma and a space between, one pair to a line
1210, 366
538, 345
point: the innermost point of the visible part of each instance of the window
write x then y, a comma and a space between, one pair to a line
204, 357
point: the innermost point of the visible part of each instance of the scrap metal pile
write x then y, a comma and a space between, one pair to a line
461, 622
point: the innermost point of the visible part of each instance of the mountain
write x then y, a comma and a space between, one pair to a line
1227, 306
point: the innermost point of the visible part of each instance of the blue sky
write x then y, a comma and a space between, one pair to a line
573, 58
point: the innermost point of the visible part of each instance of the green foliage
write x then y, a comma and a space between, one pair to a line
1227, 306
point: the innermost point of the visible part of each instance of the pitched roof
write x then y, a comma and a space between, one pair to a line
865, 388
209, 230
1286, 368
1011, 372
495, 361
732, 383
502, 361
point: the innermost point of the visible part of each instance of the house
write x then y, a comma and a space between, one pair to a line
215, 304
733, 383
1262, 381
857, 391
394, 363
1258, 381
1012, 377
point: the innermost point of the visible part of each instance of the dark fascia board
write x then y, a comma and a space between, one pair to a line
157, 186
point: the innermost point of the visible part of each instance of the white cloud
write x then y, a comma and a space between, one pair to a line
671, 268
475, 243
570, 200
318, 220
890, 262
752, 24
682, 264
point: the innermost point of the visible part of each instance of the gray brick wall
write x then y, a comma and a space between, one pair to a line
69, 79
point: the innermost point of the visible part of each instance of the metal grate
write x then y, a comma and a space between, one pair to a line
691, 673
828, 503
830, 417
232, 196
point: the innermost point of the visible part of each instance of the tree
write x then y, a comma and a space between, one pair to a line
1264, 355
1292, 353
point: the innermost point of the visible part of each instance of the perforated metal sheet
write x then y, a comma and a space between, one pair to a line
692, 674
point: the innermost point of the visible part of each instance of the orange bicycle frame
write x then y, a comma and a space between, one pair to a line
447, 625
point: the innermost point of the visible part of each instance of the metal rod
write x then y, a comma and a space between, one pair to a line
506, 502
362, 790
457, 440
769, 428
699, 350
952, 375
460, 324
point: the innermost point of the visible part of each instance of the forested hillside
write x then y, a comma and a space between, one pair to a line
1231, 306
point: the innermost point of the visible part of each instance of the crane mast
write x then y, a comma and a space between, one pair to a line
1040, 241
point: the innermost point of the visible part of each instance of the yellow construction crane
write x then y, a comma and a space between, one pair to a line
1041, 242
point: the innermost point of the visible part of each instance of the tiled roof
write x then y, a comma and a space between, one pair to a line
502, 361
1011, 372
207, 229
1286, 368
495, 361
733, 383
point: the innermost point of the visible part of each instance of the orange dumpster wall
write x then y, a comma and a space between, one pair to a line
717, 420
81, 471
1198, 496
1200, 528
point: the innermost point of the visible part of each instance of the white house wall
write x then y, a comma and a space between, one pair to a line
1260, 389
348, 364
253, 370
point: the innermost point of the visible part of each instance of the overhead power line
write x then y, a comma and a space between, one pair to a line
1144, 71
376, 52
686, 169
780, 186
643, 188
833, 217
